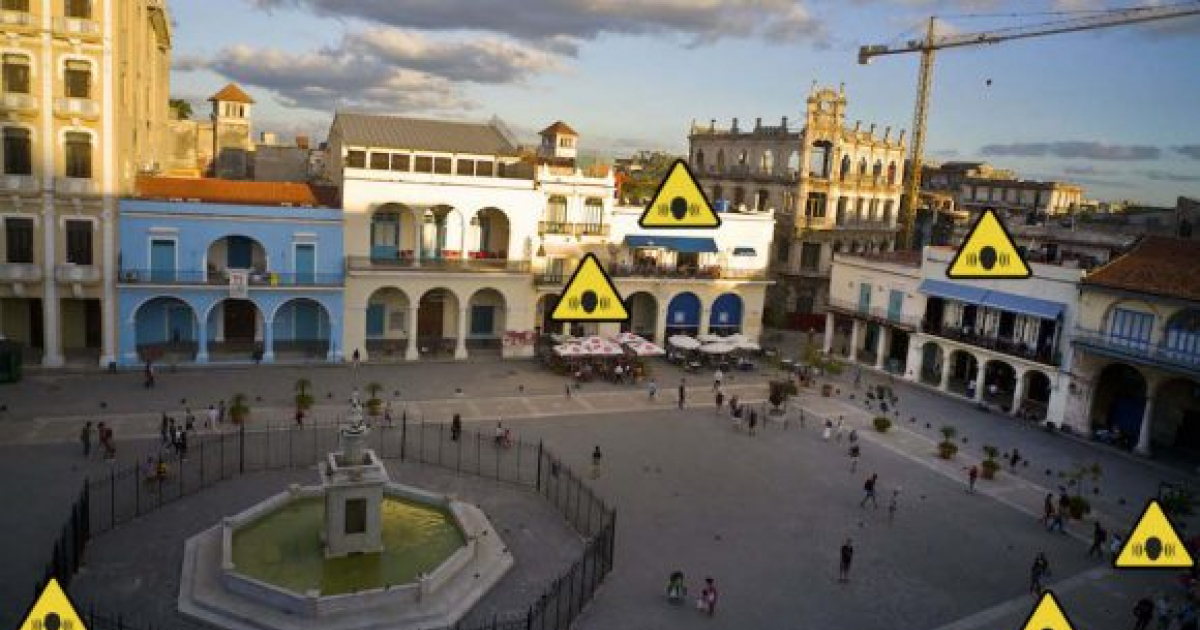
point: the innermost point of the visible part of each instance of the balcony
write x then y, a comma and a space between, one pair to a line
1046, 356
1140, 352
77, 107
878, 314
75, 186
437, 265
566, 228
550, 279
78, 27
71, 273
221, 279
17, 102
16, 19
685, 272
19, 184
554, 227
20, 272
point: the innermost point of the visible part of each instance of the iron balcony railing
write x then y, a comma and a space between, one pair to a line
568, 228
1047, 356
1137, 350
686, 273
220, 278
494, 265
876, 313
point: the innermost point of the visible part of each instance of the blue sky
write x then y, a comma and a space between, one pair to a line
1113, 110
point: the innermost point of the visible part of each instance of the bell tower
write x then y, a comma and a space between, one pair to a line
231, 133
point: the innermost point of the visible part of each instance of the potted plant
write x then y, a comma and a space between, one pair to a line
882, 424
990, 466
374, 403
304, 400
239, 408
947, 448
1079, 507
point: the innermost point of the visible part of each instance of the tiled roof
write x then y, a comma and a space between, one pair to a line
395, 132
237, 192
1158, 265
558, 128
232, 93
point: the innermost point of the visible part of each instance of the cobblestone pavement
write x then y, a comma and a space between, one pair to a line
763, 515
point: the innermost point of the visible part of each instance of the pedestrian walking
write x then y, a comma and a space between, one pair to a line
189, 419
498, 438
708, 597
597, 458
455, 427
85, 438
753, 424
1057, 521
1143, 613
110, 444
857, 377
163, 430
183, 445
972, 477
148, 373
853, 436
828, 430
1038, 572
221, 412
299, 418
869, 491
1047, 510
838, 429
1099, 535
682, 392
718, 377
1014, 459
854, 453
1163, 611
893, 505
355, 359
567, 389
652, 390
847, 556
720, 401
802, 419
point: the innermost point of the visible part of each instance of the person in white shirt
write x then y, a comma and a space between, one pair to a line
718, 376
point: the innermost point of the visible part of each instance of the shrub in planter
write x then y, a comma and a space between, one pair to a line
947, 448
239, 408
1079, 507
374, 403
990, 466
882, 424
304, 400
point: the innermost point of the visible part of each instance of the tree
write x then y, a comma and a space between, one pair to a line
181, 108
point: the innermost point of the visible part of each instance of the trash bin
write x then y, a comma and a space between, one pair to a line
10, 362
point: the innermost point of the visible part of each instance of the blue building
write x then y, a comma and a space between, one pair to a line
229, 271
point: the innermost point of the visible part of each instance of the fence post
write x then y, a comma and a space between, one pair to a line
242, 448
87, 510
403, 433
529, 618
112, 496
202, 441
222, 435
441, 440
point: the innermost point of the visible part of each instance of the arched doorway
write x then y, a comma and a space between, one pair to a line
964, 368
896, 360
387, 324
1118, 401
393, 233
1182, 338
165, 328
643, 315
726, 316
683, 315
302, 330
1177, 416
545, 308
1037, 395
999, 384
235, 253
437, 323
486, 316
443, 233
235, 330
490, 235
931, 363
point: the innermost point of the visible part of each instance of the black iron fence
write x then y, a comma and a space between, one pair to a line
162, 477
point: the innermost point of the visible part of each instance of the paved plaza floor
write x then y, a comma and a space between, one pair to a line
763, 515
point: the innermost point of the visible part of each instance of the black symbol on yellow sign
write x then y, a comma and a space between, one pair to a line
53, 610
679, 203
1154, 543
1047, 615
988, 253
590, 296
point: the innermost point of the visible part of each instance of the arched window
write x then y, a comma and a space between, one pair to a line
743, 158
699, 159
862, 166
845, 170
877, 170
841, 210
739, 197
16, 74
891, 178
819, 159
721, 160
766, 163
77, 79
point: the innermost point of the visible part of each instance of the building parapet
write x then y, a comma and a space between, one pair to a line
879, 314
218, 279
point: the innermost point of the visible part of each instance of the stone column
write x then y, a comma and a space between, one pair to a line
945, 384
51, 314
108, 306
460, 350
660, 323
413, 352
1143, 443
202, 340
979, 384
881, 347
830, 324
855, 335
1018, 394
705, 316
419, 230
268, 341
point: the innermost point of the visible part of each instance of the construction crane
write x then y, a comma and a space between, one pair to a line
933, 42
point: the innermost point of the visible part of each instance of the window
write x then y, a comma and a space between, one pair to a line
887, 211
400, 162
566, 143
841, 210
699, 159
18, 152
423, 164
891, 178
766, 163
484, 168
862, 166
465, 167
442, 165
718, 193
721, 160
380, 161
81, 9
16, 5
877, 170
356, 159
782, 251
18, 237
79, 242
1131, 328
819, 159
16, 74
593, 211
77, 80
845, 166
556, 209
810, 256
815, 206
79, 155
859, 205
874, 210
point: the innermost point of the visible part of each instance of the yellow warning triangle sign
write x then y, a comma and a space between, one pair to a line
1154, 543
1047, 615
988, 253
590, 296
52, 611
679, 203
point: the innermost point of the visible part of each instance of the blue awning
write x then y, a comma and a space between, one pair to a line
961, 292
685, 244
1044, 309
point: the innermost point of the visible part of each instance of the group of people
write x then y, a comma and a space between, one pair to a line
104, 435
677, 590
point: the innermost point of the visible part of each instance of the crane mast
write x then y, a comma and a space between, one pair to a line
932, 43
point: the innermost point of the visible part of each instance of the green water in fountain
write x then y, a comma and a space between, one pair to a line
284, 548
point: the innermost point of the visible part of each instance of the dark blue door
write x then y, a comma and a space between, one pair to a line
239, 253
375, 320
308, 321
162, 260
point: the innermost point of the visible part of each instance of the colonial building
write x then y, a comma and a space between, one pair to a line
225, 271
977, 185
835, 188
1136, 369
83, 111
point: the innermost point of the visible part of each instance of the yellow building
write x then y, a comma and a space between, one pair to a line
83, 109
